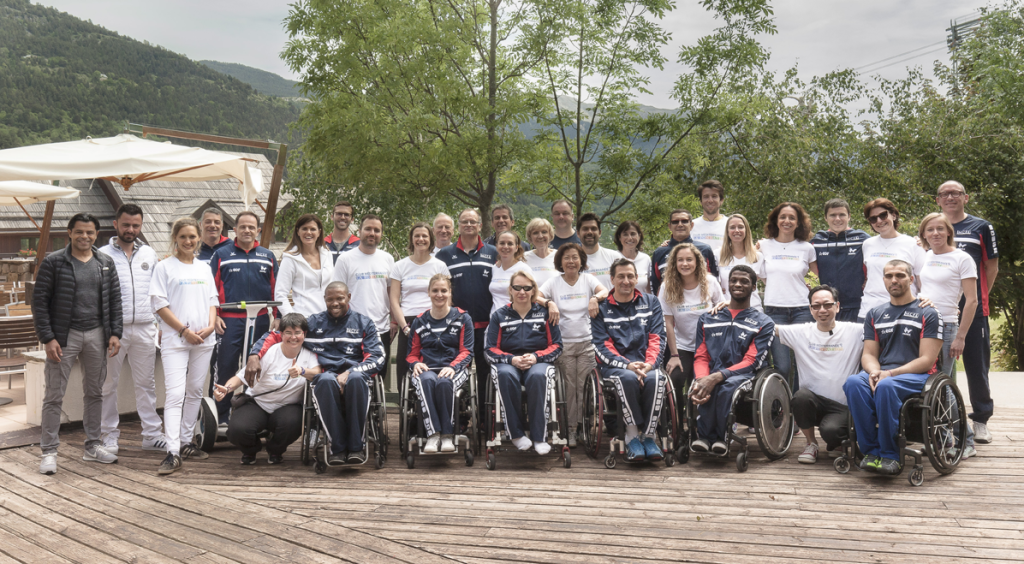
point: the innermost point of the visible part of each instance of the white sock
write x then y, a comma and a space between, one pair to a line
632, 432
542, 448
522, 443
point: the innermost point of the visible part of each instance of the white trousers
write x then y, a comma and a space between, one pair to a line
138, 345
185, 370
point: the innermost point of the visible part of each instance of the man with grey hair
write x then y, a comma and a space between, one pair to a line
444, 230
212, 224
502, 219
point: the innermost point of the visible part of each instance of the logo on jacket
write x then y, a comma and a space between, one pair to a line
536, 327
352, 331
145, 266
907, 331
350, 350
263, 269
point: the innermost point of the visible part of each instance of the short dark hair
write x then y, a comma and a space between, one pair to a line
625, 226
344, 203
837, 203
823, 288
86, 217
621, 263
678, 211
214, 211
247, 213
294, 320
711, 185
752, 276
887, 205
129, 209
562, 201
589, 216
506, 207
561, 253
368, 217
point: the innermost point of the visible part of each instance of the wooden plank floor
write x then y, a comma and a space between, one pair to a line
529, 510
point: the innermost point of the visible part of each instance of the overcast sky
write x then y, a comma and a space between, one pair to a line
819, 35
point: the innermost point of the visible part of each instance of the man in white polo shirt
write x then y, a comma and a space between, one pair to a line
710, 228
599, 259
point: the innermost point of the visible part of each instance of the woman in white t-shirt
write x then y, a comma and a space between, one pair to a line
689, 290
541, 259
409, 294
738, 248
629, 239
787, 258
889, 244
184, 297
274, 402
306, 269
510, 261
576, 294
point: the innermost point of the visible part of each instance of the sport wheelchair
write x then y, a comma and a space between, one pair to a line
557, 423
936, 418
602, 411
411, 433
315, 445
762, 403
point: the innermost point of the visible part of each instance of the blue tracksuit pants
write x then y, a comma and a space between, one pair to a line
712, 416
229, 350
436, 397
881, 408
343, 415
627, 386
510, 381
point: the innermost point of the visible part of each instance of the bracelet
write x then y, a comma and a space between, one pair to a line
674, 355
183, 329
303, 373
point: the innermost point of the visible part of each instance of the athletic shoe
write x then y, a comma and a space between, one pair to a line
635, 450
447, 444
719, 447
981, 433
652, 450
48, 465
274, 459
870, 463
110, 444
248, 460
700, 445
572, 439
337, 459
357, 457
97, 453
809, 455
190, 450
171, 463
542, 448
889, 467
433, 441
969, 452
522, 443
158, 444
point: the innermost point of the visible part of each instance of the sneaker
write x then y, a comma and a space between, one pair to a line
889, 467
969, 452
700, 445
869, 463
171, 463
274, 459
248, 460
336, 459
447, 444
809, 455
433, 441
542, 448
110, 444
158, 444
190, 450
719, 447
635, 450
357, 457
652, 450
522, 443
981, 433
97, 453
48, 465
222, 430
572, 439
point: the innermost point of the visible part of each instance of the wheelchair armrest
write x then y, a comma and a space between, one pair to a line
933, 381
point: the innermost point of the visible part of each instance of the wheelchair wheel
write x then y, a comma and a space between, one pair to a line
490, 412
944, 421
566, 457
492, 461
773, 414
562, 412
471, 415
593, 414
382, 420
310, 431
842, 465
668, 426
741, 461
406, 416
469, 456
205, 434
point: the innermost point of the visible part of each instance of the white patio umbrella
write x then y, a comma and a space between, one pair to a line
21, 193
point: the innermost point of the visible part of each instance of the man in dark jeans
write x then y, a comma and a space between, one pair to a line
78, 315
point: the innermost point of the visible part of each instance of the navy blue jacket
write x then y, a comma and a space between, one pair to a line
338, 248
471, 276
206, 251
841, 263
628, 332
244, 276
732, 345
349, 342
441, 342
660, 257
510, 335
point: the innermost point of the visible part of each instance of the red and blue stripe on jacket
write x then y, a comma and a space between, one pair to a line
471, 278
349, 342
510, 335
441, 342
243, 276
626, 332
732, 342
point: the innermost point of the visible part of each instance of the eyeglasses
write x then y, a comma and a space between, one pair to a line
872, 219
816, 307
342, 214
522, 288
950, 195
468, 222
679, 221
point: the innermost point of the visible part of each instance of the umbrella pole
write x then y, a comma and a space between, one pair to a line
44, 235
275, 189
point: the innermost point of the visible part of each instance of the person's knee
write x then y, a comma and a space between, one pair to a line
803, 401
856, 383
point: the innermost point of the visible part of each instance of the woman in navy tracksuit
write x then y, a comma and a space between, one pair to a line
521, 347
440, 337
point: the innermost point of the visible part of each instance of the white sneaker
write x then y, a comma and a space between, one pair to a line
542, 448
572, 439
48, 465
432, 444
522, 443
447, 445
981, 433
98, 454
110, 444
719, 447
809, 455
700, 445
158, 444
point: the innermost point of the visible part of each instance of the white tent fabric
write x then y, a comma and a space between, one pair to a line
18, 192
127, 159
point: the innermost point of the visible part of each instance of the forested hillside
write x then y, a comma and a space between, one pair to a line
62, 78
264, 82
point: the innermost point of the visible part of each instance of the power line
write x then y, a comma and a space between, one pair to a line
900, 55
903, 60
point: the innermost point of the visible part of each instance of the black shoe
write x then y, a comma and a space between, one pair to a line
275, 459
869, 463
248, 460
337, 459
191, 451
889, 467
357, 457
171, 463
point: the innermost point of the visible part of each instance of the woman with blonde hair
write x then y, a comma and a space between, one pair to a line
510, 261
541, 260
738, 248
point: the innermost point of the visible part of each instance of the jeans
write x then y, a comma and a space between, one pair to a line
947, 364
782, 356
91, 348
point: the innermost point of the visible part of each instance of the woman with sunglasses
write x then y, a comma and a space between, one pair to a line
889, 244
521, 346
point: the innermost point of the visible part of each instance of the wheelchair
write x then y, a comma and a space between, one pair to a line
411, 433
557, 424
602, 412
762, 403
936, 418
315, 447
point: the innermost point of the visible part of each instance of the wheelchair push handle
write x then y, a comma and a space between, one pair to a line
251, 309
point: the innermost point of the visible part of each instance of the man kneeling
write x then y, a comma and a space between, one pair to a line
902, 340
731, 347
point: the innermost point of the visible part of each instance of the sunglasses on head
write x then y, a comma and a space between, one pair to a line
519, 288
880, 217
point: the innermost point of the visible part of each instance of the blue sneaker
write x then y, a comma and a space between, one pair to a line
635, 450
652, 450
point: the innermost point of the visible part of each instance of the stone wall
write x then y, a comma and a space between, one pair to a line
16, 269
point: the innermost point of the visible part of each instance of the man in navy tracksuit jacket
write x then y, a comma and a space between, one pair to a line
629, 337
681, 223
841, 258
243, 271
731, 347
439, 344
348, 348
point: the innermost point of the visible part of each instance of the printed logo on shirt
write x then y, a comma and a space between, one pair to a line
576, 296
691, 308
939, 263
278, 377
785, 257
350, 349
817, 347
536, 327
263, 269
486, 256
884, 254
908, 331
349, 330
191, 282
597, 271
371, 275
706, 237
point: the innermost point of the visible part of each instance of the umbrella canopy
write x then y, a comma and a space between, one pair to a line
21, 193
127, 159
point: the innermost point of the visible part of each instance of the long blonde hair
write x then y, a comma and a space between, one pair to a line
178, 225
726, 254
674, 281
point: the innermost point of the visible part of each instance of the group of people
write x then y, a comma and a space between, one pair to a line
522, 311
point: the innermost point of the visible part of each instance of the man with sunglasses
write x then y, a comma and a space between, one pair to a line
827, 352
680, 222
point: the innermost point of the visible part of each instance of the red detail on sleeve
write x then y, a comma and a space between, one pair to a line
748, 358
272, 339
552, 346
701, 361
415, 346
653, 349
610, 345
463, 351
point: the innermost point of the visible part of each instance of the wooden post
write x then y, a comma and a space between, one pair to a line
275, 189
44, 236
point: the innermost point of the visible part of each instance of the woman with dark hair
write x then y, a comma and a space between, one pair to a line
510, 261
629, 239
409, 294
787, 258
889, 244
306, 269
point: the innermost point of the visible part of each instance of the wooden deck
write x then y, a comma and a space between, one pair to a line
529, 510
